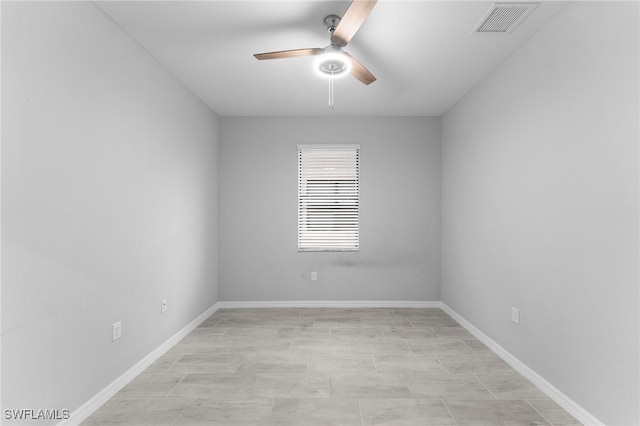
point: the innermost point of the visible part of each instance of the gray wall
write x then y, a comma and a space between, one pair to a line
540, 206
109, 203
399, 219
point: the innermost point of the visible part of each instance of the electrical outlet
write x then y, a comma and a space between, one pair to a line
116, 331
515, 315
163, 306
314, 276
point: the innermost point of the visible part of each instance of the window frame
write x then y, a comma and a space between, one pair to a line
345, 205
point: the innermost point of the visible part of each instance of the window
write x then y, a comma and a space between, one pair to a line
328, 188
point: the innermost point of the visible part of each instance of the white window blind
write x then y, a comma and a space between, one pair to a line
328, 192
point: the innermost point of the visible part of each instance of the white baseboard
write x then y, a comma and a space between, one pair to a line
330, 304
86, 409
573, 408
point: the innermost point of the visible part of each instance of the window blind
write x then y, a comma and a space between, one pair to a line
328, 197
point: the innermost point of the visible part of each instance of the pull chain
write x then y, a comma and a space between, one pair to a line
331, 90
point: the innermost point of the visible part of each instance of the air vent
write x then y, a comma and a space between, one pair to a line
504, 17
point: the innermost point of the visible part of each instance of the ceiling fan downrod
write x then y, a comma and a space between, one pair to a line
331, 22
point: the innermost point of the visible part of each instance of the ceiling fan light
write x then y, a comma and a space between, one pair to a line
332, 64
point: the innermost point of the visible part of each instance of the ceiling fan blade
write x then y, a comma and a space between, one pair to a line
288, 53
350, 23
360, 72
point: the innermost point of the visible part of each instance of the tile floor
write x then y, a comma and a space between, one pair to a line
326, 366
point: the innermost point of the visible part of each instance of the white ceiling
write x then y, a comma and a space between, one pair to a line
423, 53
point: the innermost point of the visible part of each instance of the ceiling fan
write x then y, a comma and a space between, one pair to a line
332, 60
